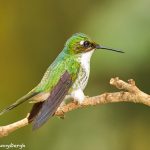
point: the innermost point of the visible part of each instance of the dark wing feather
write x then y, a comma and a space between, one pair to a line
57, 95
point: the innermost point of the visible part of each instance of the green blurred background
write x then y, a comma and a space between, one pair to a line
32, 33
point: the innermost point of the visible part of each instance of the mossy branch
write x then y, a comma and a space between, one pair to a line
131, 93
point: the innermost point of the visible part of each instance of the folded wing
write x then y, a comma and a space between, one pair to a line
47, 108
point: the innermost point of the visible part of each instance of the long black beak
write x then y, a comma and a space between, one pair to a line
110, 49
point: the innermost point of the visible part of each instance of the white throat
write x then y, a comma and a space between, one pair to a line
85, 60
84, 71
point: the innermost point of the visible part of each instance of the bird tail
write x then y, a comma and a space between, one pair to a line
18, 102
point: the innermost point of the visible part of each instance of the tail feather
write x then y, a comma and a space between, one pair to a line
34, 111
18, 102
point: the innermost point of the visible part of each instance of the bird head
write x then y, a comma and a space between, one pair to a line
80, 43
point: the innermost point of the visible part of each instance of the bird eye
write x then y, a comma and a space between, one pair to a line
86, 44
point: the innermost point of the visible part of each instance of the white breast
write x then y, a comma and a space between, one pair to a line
84, 72
85, 60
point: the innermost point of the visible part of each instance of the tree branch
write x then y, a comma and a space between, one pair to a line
133, 94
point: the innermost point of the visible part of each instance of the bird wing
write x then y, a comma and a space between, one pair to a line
47, 108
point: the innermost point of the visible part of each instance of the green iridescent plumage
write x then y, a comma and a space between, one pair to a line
73, 46
67, 75
64, 62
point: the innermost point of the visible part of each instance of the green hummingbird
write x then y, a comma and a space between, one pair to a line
65, 78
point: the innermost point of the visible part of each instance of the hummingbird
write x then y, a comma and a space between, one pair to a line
65, 78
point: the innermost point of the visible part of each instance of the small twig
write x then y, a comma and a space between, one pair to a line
133, 94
